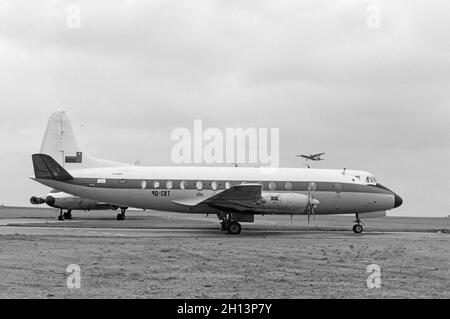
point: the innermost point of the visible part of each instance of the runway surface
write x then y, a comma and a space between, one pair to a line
72, 228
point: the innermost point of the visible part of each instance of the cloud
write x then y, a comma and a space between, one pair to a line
136, 70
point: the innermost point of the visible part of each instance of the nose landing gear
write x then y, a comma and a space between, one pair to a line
357, 229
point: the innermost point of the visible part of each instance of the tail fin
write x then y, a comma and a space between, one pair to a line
46, 167
60, 143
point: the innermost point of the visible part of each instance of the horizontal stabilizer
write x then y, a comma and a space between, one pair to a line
45, 167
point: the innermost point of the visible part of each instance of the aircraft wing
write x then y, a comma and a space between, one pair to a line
318, 154
238, 197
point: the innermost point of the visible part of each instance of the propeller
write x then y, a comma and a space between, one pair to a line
312, 203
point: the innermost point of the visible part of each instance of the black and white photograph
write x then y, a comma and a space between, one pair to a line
225, 154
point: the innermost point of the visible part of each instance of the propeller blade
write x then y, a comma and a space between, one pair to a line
312, 203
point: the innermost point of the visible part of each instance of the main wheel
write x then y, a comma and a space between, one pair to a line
67, 216
60, 217
234, 228
120, 216
357, 229
223, 226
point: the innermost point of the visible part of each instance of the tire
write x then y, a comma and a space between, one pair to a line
119, 217
358, 229
234, 228
60, 217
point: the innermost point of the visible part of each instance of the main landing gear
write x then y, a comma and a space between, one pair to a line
230, 226
358, 229
121, 215
66, 215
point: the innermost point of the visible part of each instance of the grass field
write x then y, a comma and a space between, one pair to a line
305, 262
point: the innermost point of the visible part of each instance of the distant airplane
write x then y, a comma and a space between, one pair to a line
312, 157
69, 203
62, 165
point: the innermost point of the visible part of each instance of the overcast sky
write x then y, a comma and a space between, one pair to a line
376, 99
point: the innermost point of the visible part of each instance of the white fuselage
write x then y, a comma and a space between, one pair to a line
167, 188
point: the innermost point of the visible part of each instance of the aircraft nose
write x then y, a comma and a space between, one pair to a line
50, 200
397, 200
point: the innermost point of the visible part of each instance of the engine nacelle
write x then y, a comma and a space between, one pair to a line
37, 200
287, 202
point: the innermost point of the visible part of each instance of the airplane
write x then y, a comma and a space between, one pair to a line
234, 194
312, 157
64, 201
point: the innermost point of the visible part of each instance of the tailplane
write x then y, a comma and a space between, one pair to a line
60, 144
46, 167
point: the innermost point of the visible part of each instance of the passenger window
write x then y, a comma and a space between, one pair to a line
199, 185
169, 184
214, 186
156, 184
272, 186
183, 185
144, 184
227, 185
288, 186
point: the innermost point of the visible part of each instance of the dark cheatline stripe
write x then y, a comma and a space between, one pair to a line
191, 185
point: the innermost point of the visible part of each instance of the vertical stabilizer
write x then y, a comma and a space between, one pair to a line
60, 143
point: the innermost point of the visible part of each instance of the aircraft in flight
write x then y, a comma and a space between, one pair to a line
234, 194
67, 202
312, 157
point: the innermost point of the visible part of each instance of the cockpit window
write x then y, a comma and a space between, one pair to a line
371, 179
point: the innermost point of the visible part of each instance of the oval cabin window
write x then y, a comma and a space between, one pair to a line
156, 184
272, 186
169, 184
183, 185
199, 185
227, 185
214, 186
288, 186
144, 184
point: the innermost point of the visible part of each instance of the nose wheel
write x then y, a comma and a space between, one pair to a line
358, 229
